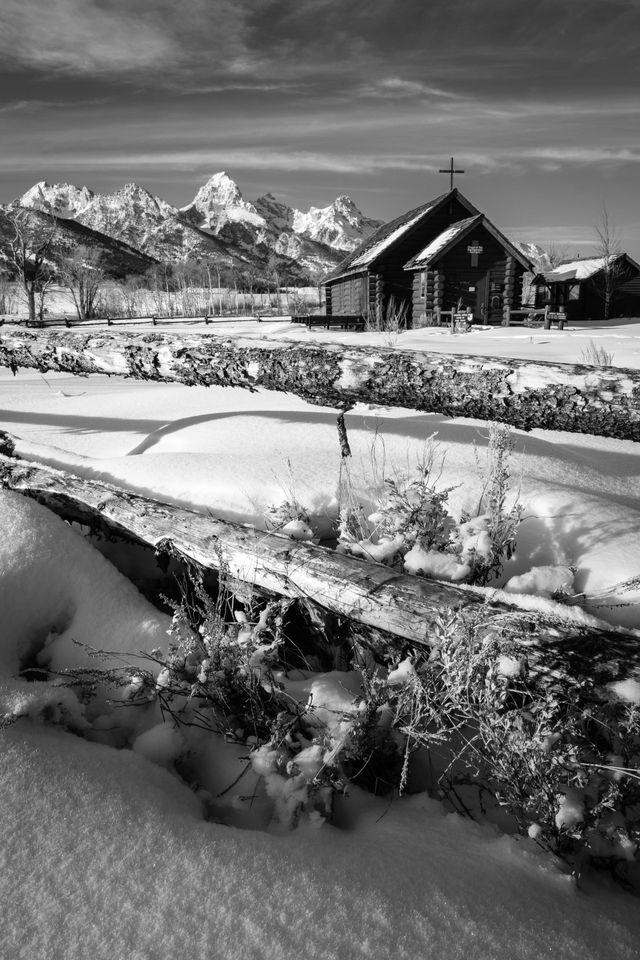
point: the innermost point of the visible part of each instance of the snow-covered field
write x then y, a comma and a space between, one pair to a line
108, 854
115, 300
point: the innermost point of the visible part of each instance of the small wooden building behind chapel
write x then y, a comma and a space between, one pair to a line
594, 288
443, 255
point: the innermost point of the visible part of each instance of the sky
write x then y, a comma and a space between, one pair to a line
309, 99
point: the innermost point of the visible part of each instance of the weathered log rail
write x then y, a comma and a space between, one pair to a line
555, 396
403, 608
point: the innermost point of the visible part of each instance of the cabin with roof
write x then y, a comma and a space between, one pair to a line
596, 288
444, 255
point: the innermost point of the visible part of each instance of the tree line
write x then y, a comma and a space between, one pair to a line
37, 258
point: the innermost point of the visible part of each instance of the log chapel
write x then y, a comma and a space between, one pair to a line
443, 255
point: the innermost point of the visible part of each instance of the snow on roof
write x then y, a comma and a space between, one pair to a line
389, 233
576, 269
442, 240
582, 269
370, 254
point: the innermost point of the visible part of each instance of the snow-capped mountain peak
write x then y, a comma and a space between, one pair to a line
219, 188
219, 224
534, 252
218, 201
61, 199
341, 225
344, 206
133, 196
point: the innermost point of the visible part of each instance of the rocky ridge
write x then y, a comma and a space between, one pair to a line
219, 225
119, 258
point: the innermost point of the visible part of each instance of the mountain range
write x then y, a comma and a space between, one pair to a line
219, 227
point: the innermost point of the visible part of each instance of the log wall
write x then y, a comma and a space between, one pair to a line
349, 296
497, 282
389, 280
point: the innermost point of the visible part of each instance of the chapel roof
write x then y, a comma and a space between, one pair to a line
390, 233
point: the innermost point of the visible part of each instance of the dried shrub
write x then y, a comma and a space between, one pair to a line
412, 528
558, 752
596, 356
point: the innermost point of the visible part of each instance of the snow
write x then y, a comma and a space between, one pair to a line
543, 581
628, 690
377, 248
219, 200
570, 808
237, 454
404, 673
577, 269
510, 666
438, 566
161, 744
437, 244
341, 225
235, 225
56, 589
108, 853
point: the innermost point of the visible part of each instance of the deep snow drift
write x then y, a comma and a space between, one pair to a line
108, 855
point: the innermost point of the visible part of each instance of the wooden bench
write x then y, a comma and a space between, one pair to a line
345, 321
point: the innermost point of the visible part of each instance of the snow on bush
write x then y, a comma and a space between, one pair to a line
627, 690
290, 519
413, 528
571, 808
437, 566
550, 581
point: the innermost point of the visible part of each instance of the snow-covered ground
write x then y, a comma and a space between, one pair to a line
236, 454
107, 854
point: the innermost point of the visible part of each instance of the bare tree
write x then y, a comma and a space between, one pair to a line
188, 280
5, 277
613, 269
554, 255
130, 290
207, 266
83, 273
29, 256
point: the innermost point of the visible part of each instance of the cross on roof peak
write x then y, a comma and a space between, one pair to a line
451, 170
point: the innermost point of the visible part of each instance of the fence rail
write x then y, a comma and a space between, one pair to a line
151, 320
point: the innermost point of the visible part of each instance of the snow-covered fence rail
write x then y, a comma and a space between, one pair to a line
150, 320
402, 608
557, 396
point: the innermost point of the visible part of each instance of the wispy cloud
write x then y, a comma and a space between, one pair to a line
78, 36
447, 50
396, 88
583, 155
32, 106
252, 152
234, 86
98, 37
